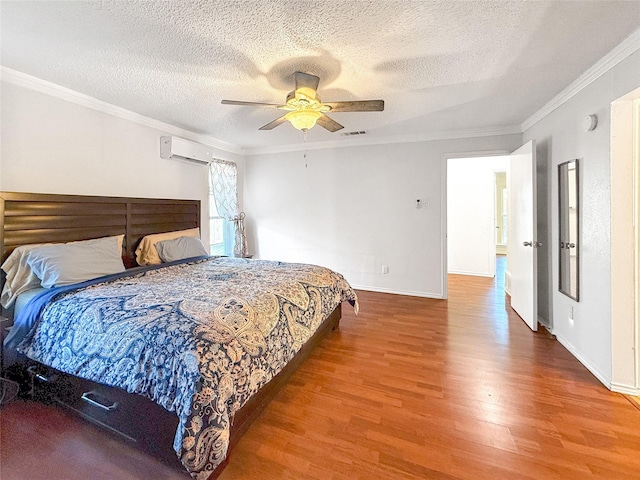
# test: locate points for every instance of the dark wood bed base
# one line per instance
(41, 218)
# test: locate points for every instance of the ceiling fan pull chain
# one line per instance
(304, 133)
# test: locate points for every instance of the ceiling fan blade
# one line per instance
(274, 124)
(249, 104)
(329, 123)
(357, 106)
(306, 82)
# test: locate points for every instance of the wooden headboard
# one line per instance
(42, 218)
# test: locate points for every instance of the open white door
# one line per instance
(523, 242)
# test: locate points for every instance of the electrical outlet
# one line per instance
(385, 269)
(571, 312)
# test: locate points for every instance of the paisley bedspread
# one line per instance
(198, 338)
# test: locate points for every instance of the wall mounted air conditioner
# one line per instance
(181, 149)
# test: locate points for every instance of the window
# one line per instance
(217, 227)
(223, 207)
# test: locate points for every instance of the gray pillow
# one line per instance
(69, 263)
(179, 248)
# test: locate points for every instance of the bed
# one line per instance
(210, 340)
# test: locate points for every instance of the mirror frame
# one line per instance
(565, 273)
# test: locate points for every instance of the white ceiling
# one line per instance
(439, 65)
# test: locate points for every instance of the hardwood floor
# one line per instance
(411, 388)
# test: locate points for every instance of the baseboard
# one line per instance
(589, 366)
(473, 274)
(507, 282)
(410, 293)
(545, 323)
(626, 389)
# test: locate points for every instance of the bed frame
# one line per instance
(41, 218)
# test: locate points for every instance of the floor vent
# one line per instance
(348, 134)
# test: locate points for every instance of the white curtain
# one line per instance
(224, 189)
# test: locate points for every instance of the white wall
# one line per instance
(559, 138)
(354, 209)
(471, 232)
(50, 145)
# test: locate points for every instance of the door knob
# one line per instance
(527, 244)
(537, 244)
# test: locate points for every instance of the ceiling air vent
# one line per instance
(348, 134)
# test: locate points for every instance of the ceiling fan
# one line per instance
(305, 108)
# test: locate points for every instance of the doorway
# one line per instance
(521, 278)
(476, 214)
(501, 212)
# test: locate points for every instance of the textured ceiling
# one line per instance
(439, 65)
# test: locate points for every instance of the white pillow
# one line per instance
(20, 277)
(179, 248)
(69, 263)
(146, 253)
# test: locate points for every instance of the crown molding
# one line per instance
(411, 138)
(24, 80)
(628, 46)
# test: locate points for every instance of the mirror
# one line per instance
(569, 241)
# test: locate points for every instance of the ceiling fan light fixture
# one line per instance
(303, 119)
(306, 108)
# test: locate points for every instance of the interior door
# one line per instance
(523, 242)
